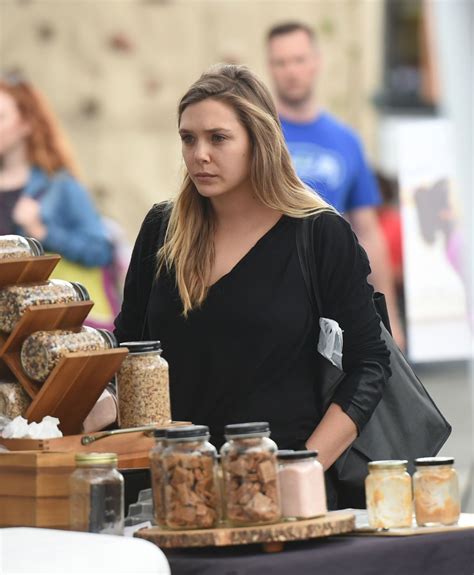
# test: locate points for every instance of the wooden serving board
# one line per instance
(27, 270)
(333, 523)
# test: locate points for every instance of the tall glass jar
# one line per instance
(13, 247)
(191, 490)
(249, 462)
(43, 350)
(97, 494)
(389, 494)
(158, 476)
(436, 491)
(16, 299)
(143, 386)
(302, 487)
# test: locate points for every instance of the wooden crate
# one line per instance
(34, 489)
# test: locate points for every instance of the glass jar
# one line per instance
(14, 400)
(15, 299)
(157, 476)
(13, 247)
(249, 462)
(389, 495)
(143, 386)
(436, 491)
(43, 350)
(191, 491)
(97, 494)
(302, 487)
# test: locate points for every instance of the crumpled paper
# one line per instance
(19, 428)
(330, 341)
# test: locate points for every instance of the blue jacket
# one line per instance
(74, 228)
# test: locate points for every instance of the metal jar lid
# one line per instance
(395, 464)
(288, 455)
(141, 346)
(236, 430)
(35, 246)
(91, 459)
(109, 337)
(188, 432)
(429, 461)
(81, 291)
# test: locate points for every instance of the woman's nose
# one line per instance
(201, 152)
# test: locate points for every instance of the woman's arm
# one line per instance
(346, 297)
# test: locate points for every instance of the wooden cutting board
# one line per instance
(333, 523)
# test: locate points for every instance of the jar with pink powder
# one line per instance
(302, 487)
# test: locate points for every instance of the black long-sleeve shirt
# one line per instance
(249, 353)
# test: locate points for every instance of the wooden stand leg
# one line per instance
(273, 547)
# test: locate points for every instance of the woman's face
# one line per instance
(13, 129)
(216, 148)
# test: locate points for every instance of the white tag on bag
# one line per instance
(330, 341)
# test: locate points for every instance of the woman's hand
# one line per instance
(27, 215)
(332, 437)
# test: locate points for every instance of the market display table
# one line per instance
(450, 553)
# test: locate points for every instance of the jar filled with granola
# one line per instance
(14, 247)
(157, 476)
(97, 494)
(389, 494)
(249, 462)
(302, 487)
(16, 299)
(436, 491)
(143, 386)
(43, 350)
(191, 495)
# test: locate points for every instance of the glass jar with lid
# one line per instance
(143, 386)
(302, 487)
(16, 299)
(14, 247)
(389, 494)
(191, 493)
(249, 462)
(43, 350)
(157, 476)
(436, 491)
(97, 494)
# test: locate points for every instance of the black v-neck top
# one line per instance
(249, 353)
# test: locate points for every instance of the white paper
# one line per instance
(330, 341)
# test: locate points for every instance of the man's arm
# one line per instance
(366, 226)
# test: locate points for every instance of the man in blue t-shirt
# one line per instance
(328, 156)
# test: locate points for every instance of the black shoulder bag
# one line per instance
(406, 423)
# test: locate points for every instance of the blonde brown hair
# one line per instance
(48, 147)
(189, 240)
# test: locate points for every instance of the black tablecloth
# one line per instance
(441, 554)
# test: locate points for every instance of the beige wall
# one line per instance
(118, 105)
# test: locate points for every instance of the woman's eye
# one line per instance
(187, 139)
(218, 138)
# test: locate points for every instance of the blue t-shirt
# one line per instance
(329, 158)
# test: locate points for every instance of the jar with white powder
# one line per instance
(302, 487)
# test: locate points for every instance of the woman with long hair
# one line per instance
(215, 275)
(40, 192)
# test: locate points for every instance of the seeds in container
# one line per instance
(43, 350)
(14, 247)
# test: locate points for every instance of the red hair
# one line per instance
(48, 147)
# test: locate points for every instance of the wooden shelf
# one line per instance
(27, 270)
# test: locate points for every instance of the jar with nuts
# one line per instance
(14, 247)
(43, 350)
(143, 386)
(249, 461)
(191, 494)
(157, 476)
(16, 299)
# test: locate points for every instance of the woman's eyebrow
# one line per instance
(210, 130)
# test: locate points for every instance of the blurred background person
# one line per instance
(328, 155)
(41, 195)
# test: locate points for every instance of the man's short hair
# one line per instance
(288, 28)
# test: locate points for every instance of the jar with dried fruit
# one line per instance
(43, 350)
(97, 494)
(389, 495)
(191, 493)
(143, 386)
(157, 476)
(14, 247)
(436, 491)
(249, 462)
(16, 299)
